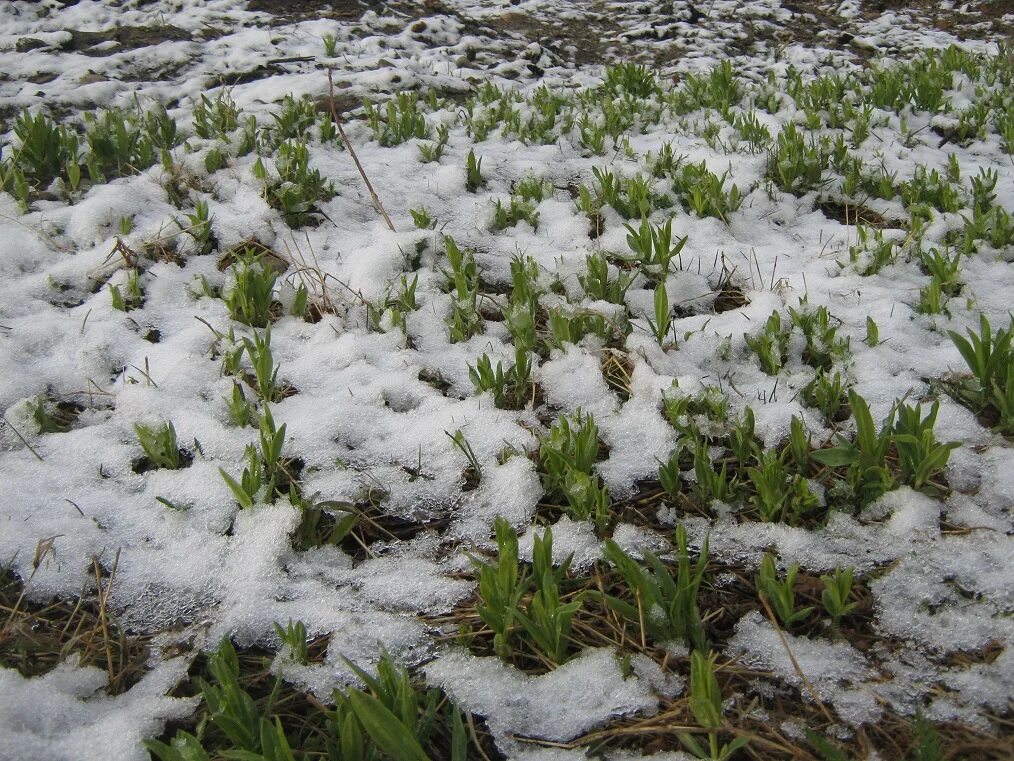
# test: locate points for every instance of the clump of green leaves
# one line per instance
(653, 246)
(509, 387)
(401, 120)
(131, 296)
(781, 593)
(868, 476)
(473, 173)
(771, 346)
(920, 455)
(823, 346)
(251, 295)
(597, 283)
(547, 619)
(160, 445)
(797, 165)
(779, 496)
(566, 457)
(464, 321)
(837, 590)
(298, 189)
(501, 587)
(991, 359)
(706, 706)
(704, 192)
(668, 603)
(518, 209)
(872, 252)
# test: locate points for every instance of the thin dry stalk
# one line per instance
(362, 172)
(795, 664)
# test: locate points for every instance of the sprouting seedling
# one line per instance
(706, 706)
(131, 297)
(241, 412)
(265, 371)
(771, 346)
(473, 173)
(781, 592)
(330, 45)
(597, 283)
(668, 603)
(837, 590)
(501, 587)
(461, 443)
(422, 219)
(920, 455)
(293, 637)
(872, 333)
(663, 322)
(547, 618)
(160, 445)
(249, 300)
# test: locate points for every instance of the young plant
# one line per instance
(293, 637)
(572, 444)
(330, 45)
(509, 387)
(464, 321)
(796, 165)
(872, 252)
(264, 369)
(587, 498)
(473, 173)
(653, 247)
(837, 590)
(711, 484)
(241, 412)
(826, 393)
(991, 359)
(665, 605)
(779, 497)
(230, 708)
(663, 322)
(823, 346)
(422, 219)
(518, 210)
(706, 706)
(199, 227)
(404, 120)
(781, 593)
(432, 151)
(131, 297)
(868, 477)
(250, 298)
(389, 719)
(597, 285)
(547, 619)
(160, 445)
(501, 587)
(704, 193)
(248, 489)
(920, 455)
(771, 346)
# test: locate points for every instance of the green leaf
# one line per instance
(390, 735)
(835, 457)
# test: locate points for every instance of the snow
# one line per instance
(368, 415)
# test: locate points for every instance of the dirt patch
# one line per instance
(294, 10)
(126, 37)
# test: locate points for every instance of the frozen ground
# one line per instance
(375, 405)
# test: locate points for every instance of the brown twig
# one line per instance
(792, 658)
(103, 617)
(338, 122)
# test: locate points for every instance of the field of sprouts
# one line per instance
(542, 380)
